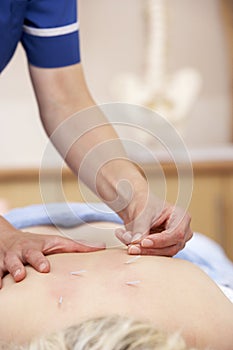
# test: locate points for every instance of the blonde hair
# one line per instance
(106, 333)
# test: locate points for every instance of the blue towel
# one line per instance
(61, 214)
(200, 250)
(210, 257)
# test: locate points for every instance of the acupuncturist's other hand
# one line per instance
(155, 227)
(18, 248)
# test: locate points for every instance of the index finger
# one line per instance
(163, 239)
(15, 267)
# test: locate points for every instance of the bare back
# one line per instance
(173, 294)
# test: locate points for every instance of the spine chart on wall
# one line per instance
(171, 95)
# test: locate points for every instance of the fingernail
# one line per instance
(134, 250)
(147, 243)
(136, 237)
(127, 237)
(17, 272)
(42, 267)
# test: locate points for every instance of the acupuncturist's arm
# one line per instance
(93, 150)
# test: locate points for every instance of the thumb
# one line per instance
(56, 244)
(139, 232)
(140, 228)
(146, 224)
(85, 246)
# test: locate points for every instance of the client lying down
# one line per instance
(109, 300)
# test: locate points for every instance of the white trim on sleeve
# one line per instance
(48, 32)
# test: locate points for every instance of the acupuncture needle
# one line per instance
(133, 283)
(77, 273)
(60, 300)
(133, 259)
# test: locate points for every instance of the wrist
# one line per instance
(7, 231)
(120, 184)
(6, 228)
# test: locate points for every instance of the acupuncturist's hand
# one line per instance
(155, 227)
(18, 248)
(152, 226)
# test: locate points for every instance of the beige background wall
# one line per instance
(113, 40)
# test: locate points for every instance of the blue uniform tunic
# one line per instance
(47, 29)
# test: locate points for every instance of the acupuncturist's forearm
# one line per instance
(89, 144)
(93, 150)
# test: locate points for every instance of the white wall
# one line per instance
(198, 38)
(112, 40)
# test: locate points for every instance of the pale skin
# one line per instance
(173, 294)
(60, 93)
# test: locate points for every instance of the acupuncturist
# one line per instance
(48, 31)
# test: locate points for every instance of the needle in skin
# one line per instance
(133, 283)
(133, 259)
(60, 300)
(77, 273)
